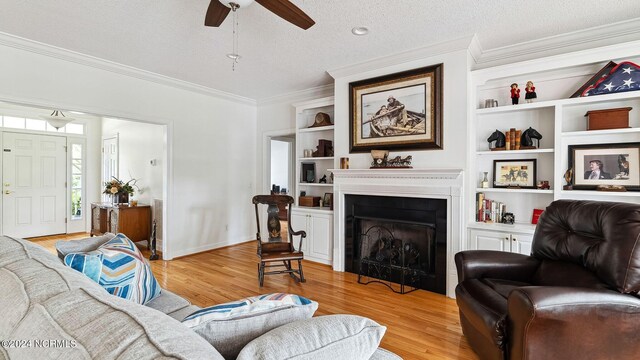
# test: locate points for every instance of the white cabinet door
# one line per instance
(321, 228)
(300, 221)
(521, 243)
(489, 240)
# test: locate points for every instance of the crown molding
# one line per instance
(106, 65)
(461, 43)
(298, 96)
(598, 36)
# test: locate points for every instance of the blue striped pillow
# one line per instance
(248, 307)
(123, 271)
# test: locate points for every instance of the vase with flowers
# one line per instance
(120, 190)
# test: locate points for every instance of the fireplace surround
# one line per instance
(445, 184)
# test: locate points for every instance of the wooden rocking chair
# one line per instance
(277, 250)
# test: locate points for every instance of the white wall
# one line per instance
(211, 139)
(455, 78)
(138, 144)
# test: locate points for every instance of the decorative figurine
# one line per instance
(530, 91)
(508, 218)
(543, 185)
(499, 138)
(323, 180)
(568, 175)
(515, 94)
(527, 135)
(485, 182)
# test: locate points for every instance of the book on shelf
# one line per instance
(512, 135)
(507, 140)
(489, 211)
(518, 135)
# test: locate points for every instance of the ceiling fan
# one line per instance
(219, 9)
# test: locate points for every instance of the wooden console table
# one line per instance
(133, 221)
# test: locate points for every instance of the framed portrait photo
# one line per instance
(605, 164)
(515, 173)
(328, 199)
(400, 111)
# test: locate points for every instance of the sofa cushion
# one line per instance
(168, 302)
(230, 326)
(64, 247)
(13, 297)
(321, 338)
(124, 271)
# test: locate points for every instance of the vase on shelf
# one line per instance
(485, 182)
(120, 198)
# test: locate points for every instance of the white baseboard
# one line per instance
(207, 247)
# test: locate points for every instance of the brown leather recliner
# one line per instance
(575, 297)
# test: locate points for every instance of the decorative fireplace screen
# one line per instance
(400, 264)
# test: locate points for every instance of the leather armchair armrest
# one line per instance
(474, 264)
(572, 323)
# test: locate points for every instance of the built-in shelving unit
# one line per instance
(561, 121)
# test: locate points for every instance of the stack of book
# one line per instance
(488, 210)
(512, 139)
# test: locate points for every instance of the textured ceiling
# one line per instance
(168, 36)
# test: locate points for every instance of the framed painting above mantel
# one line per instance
(401, 111)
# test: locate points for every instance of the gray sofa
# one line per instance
(50, 311)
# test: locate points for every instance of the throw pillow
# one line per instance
(321, 338)
(230, 326)
(124, 271)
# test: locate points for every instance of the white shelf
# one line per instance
(564, 102)
(316, 158)
(509, 152)
(522, 107)
(321, 128)
(507, 190)
(601, 193)
(601, 132)
(314, 184)
(517, 227)
(313, 209)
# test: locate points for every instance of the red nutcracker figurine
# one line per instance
(515, 94)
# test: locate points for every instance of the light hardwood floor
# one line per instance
(420, 325)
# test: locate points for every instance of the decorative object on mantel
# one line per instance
(621, 78)
(514, 173)
(381, 160)
(321, 119)
(120, 190)
(323, 179)
(397, 111)
(613, 165)
(617, 118)
(344, 163)
(57, 119)
(515, 94)
(514, 139)
(568, 176)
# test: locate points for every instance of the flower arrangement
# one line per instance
(118, 187)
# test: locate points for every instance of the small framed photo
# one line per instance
(605, 164)
(514, 173)
(308, 173)
(327, 200)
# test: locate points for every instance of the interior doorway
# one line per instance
(282, 161)
(109, 160)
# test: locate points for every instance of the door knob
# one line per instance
(7, 192)
(7, 184)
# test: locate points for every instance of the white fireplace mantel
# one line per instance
(417, 183)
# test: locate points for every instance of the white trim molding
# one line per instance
(111, 66)
(417, 183)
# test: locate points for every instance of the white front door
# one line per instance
(34, 176)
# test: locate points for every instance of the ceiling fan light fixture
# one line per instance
(234, 57)
(238, 3)
(360, 30)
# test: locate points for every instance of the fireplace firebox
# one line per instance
(398, 241)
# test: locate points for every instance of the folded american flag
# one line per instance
(624, 77)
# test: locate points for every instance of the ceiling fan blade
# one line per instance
(286, 10)
(216, 13)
